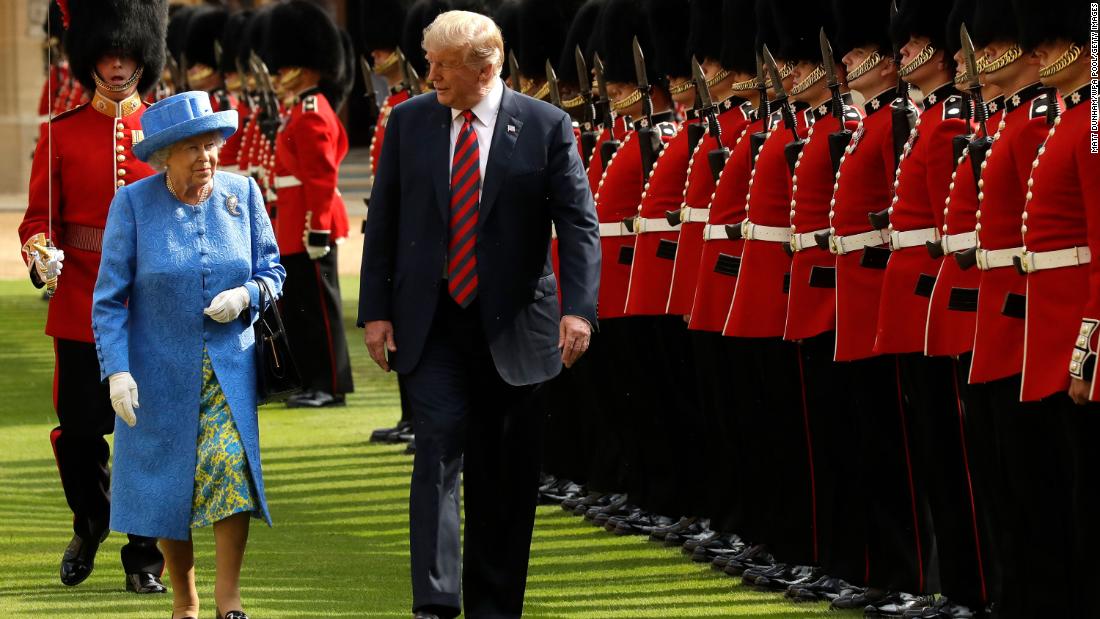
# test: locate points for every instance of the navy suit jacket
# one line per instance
(534, 177)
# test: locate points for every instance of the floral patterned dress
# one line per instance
(223, 483)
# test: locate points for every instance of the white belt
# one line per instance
(282, 182)
(806, 240)
(1043, 260)
(913, 238)
(656, 224)
(958, 242)
(847, 244)
(989, 259)
(715, 232)
(613, 229)
(771, 234)
(689, 215)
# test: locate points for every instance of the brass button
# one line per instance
(119, 135)
(119, 127)
(120, 148)
(120, 182)
(121, 172)
(120, 158)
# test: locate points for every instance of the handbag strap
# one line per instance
(265, 295)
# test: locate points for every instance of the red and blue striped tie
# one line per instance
(465, 195)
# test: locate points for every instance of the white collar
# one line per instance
(486, 109)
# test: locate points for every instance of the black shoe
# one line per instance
(861, 598)
(392, 435)
(750, 575)
(560, 491)
(792, 576)
(605, 506)
(680, 529)
(144, 582)
(824, 589)
(644, 524)
(78, 561)
(896, 609)
(233, 614)
(315, 399)
(753, 556)
(410, 449)
(424, 615)
(944, 608)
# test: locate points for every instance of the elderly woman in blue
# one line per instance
(172, 312)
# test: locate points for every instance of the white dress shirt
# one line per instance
(485, 121)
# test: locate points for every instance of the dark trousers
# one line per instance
(715, 370)
(571, 408)
(838, 461)
(940, 470)
(898, 522)
(314, 322)
(1037, 473)
(85, 416)
(1083, 424)
(469, 421)
(612, 431)
(741, 411)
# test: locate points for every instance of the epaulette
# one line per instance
(309, 104)
(70, 112)
(1040, 105)
(953, 107)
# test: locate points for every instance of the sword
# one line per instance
(649, 140)
(794, 148)
(902, 116)
(838, 142)
(589, 136)
(552, 82)
(717, 157)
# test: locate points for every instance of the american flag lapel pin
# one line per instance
(512, 129)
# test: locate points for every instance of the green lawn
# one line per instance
(339, 546)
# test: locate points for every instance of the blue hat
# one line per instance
(179, 117)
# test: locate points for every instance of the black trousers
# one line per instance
(469, 420)
(612, 431)
(715, 371)
(898, 521)
(940, 469)
(839, 493)
(314, 322)
(85, 416)
(571, 408)
(1083, 424)
(1037, 469)
(741, 412)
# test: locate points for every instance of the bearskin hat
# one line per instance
(381, 27)
(705, 29)
(179, 17)
(506, 17)
(336, 88)
(798, 35)
(1043, 22)
(203, 29)
(232, 39)
(961, 13)
(542, 29)
(920, 18)
(739, 36)
(993, 21)
(99, 26)
(766, 32)
(301, 34)
(54, 24)
(420, 16)
(669, 33)
(254, 36)
(861, 23)
(621, 21)
(579, 35)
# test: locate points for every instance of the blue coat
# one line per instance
(163, 261)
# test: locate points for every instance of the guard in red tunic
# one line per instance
(381, 38)
(306, 53)
(204, 71)
(780, 488)
(82, 157)
(234, 84)
(1060, 226)
(60, 92)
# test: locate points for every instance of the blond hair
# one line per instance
(476, 35)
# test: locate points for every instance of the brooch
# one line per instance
(231, 206)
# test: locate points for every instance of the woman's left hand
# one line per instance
(228, 304)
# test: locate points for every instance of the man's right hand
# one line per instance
(378, 336)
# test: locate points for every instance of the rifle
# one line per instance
(513, 71)
(603, 113)
(589, 135)
(552, 84)
(763, 111)
(795, 147)
(369, 94)
(649, 141)
(716, 158)
(838, 142)
(902, 115)
(979, 147)
(269, 101)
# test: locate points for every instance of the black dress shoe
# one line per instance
(680, 529)
(78, 560)
(609, 504)
(315, 399)
(233, 614)
(643, 524)
(824, 589)
(392, 435)
(793, 575)
(753, 556)
(144, 582)
(896, 609)
(861, 598)
(424, 615)
(410, 449)
(560, 491)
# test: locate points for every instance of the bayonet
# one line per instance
(902, 116)
(217, 54)
(838, 142)
(513, 71)
(174, 72)
(716, 158)
(589, 135)
(974, 82)
(403, 66)
(763, 110)
(643, 82)
(368, 92)
(184, 78)
(552, 82)
(603, 103)
(794, 148)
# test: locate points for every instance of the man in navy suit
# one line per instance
(458, 296)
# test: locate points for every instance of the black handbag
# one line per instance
(277, 376)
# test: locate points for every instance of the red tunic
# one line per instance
(811, 304)
(310, 148)
(82, 157)
(998, 337)
(952, 310)
(617, 197)
(227, 159)
(864, 185)
(392, 101)
(720, 261)
(921, 190)
(759, 307)
(651, 272)
(734, 115)
(1060, 215)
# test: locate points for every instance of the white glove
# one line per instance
(45, 259)
(124, 396)
(317, 252)
(319, 247)
(228, 304)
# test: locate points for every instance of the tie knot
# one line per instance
(468, 115)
